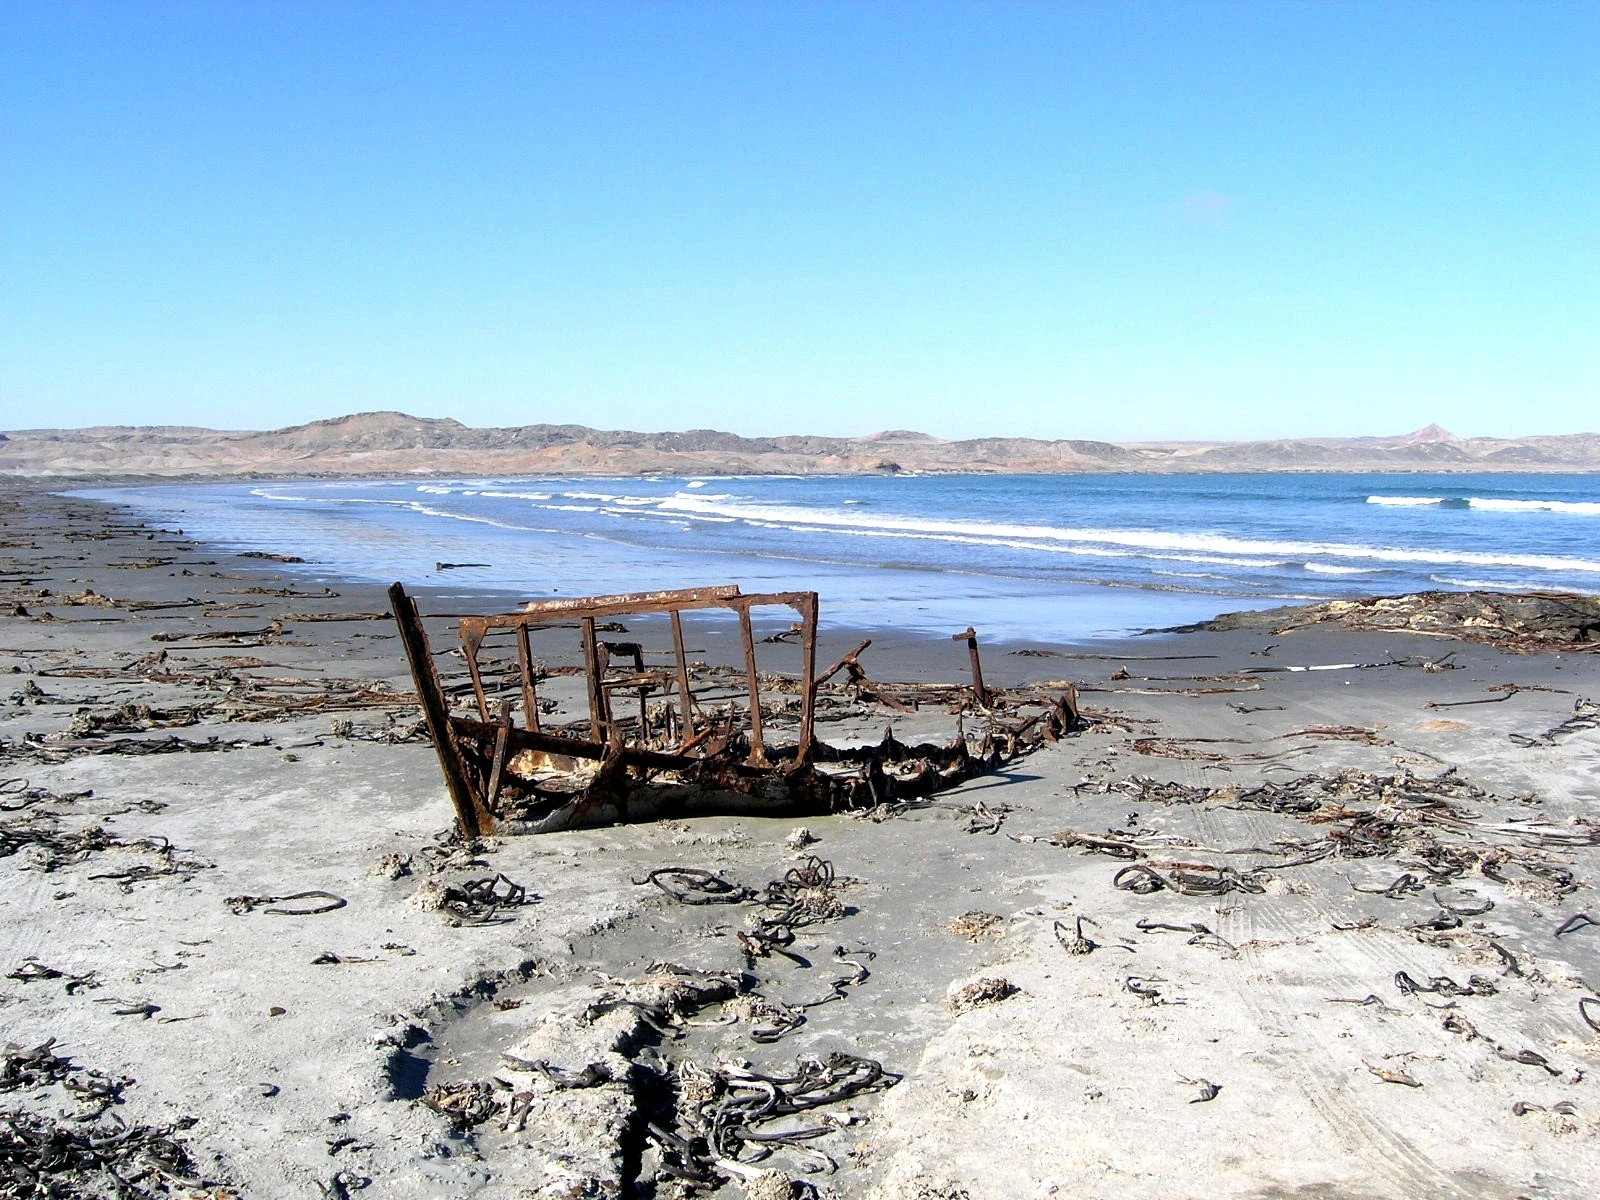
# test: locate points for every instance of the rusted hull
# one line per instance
(529, 780)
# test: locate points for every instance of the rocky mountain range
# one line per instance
(391, 443)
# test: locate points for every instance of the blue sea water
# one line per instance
(1052, 557)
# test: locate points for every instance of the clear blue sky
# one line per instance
(1114, 220)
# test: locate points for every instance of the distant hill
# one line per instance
(391, 443)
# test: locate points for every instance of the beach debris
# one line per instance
(1443, 985)
(28, 1068)
(1208, 1091)
(52, 748)
(51, 847)
(339, 1185)
(32, 971)
(1112, 844)
(306, 904)
(1519, 622)
(1591, 1019)
(804, 896)
(391, 866)
(728, 1117)
(981, 993)
(976, 925)
(472, 901)
(1188, 879)
(105, 1158)
(1390, 1075)
(1145, 988)
(680, 750)
(465, 1104)
(691, 885)
(1565, 1108)
(799, 838)
(1585, 715)
(1199, 934)
(1075, 942)
(1576, 922)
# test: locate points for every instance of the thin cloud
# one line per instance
(1205, 207)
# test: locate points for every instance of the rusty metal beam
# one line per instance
(980, 693)
(472, 814)
(470, 643)
(498, 765)
(847, 661)
(592, 670)
(808, 677)
(685, 695)
(643, 601)
(758, 747)
(547, 612)
(530, 692)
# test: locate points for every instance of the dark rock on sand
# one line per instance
(1535, 620)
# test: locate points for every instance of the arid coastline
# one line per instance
(1297, 914)
(391, 443)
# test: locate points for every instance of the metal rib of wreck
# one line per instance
(678, 758)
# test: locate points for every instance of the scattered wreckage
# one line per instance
(1520, 622)
(680, 751)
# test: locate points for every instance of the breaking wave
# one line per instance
(1107, 542)
(1581, 508)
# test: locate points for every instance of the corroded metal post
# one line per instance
(471, 812)
(979, 692)
(758, 746)
(807, 608)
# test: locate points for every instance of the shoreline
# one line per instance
(1066, 1086)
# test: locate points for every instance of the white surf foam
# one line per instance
(1100, 541)
(1581, 508)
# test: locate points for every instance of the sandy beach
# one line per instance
(1298, 914)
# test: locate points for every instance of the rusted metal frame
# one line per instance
(758, 746)
(979, 692)
(592, 671)
(472, 813)
(641, 680)
(686, 735)
(540, 613)
(530, 693)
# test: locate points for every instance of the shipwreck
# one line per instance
(679, 739)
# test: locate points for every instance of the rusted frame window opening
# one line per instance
(541, 614)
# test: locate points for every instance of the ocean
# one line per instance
(1057, 558)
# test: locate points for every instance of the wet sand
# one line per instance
(300, 1045)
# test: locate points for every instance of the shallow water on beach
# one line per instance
(1052, 557)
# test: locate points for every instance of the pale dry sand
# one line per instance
(1072, 1086)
